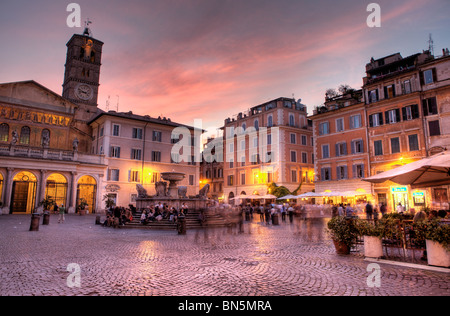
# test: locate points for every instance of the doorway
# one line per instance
(23, 193)
(87, 193)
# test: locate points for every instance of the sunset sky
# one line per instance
(210, 59)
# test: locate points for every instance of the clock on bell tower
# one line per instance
(82, 70)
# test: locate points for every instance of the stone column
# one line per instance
(8, 190)
(72, 193)
(41, 191)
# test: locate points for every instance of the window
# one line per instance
(156, 156)
(101, 131)
(133, 176)
(325, 174)
(136, 154)
(376, 120)
(270, 121)
(242, 144)
(175, 158)
(157, 136)
(341, 149)
(406, 87)
(242, 161)
(324, 128)
(113, 174)
(312, 158)
(231, 163)
(4, 132)
(255, 142)
(254, 159)
(114, 152)
(325, 151)
(116, 130)
(304, 140)
(191, 179)
(341, 172)
(429, 106)
(357, 146)
(155, 177)
(373, 96)
(429, 76)
(395, 145)
(293, 139)
(434, 128)
(243, 178)
(355, 121)
(304, 157)
(293, 156)
(231, 148)
(230, 180)
(339, 125)
(137, 133)
(392, 116)
(291, 120)
(389, 92)
(269, 139)
(25, 135)
(358, 171)
(410, 112)
(378, 146)
(413, 142)
(256, 125)
(293, 175)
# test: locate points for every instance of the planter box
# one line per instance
(341, 248)
(437, 255)
(373, 247)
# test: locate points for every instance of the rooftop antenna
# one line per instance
(107, 103)
(431, 45)
(117, 103)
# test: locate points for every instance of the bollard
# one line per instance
(46, 218)
(181, 225)
(275, 219)
(97, 220)
(34, 226)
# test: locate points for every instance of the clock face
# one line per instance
(84, 92)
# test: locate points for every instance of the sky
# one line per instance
(211, 59)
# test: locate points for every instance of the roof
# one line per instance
(142, 118)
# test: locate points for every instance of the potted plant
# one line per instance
(109, 202)
(437, 237)
(47, 203)
(343, 232)
(373, 234)
(82, 206)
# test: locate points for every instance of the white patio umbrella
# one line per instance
(307, 195)
(431, 171)
(288, 197)
(268, 197)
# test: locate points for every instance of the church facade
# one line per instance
(50, 146)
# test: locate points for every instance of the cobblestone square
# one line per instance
(285, 260)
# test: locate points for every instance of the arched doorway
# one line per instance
(87, 193)
(23, 193)
(231, 198)
(56, 188)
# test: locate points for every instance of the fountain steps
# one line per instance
(192, 222)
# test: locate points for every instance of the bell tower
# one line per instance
(82, 70)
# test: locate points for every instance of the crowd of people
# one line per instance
(118, 216)
(161, 211)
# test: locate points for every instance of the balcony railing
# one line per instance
(49, 154)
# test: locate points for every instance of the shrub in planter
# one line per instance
(373, 234)
(437, 237)
(343, 231)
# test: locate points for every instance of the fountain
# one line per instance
(173, 195)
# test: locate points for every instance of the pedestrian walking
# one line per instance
(61, 210)
(369, 211)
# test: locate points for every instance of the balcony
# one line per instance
(7, 150)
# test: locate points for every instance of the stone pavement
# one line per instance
(286, 260)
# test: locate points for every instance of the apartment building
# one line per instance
(211, 172)
(271, 142)
(341, 147)
(137, 150)
(407, 102)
